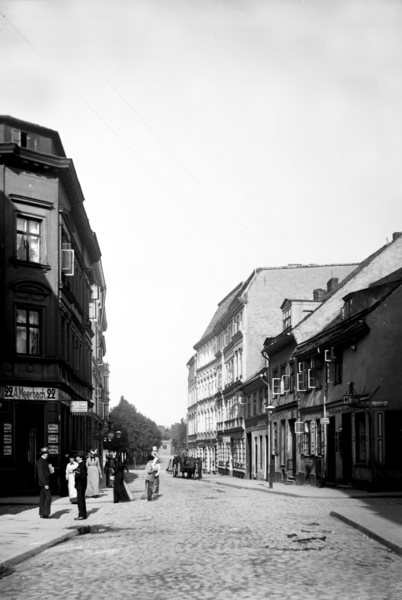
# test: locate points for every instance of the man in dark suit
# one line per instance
(81, 478)
(43, 472)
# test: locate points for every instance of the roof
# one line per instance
(26, 125)
(282, 282)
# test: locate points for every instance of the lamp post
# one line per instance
(270, 460)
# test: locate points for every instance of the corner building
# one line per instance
(227, 422)
(53, 382)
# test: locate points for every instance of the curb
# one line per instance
(37, 550)
(378, 538)
(255, 489)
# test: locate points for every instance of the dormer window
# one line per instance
(348, 308)
(287, 318)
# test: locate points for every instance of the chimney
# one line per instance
(319, 294)
(332, 284)
(396, 235)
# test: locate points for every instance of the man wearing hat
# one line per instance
(43, 471)
(81, 478)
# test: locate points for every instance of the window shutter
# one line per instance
(67, 260)
(94, 292)
(353, 438)
(16, 136)
(311, 378)
(331, 372)
(93, 312)
(301, 387)
(312, 437)
(276, 386)
(380, 437)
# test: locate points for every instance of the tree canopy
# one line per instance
(178, 435)
(138, 433)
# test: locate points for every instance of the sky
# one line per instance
(211, 137)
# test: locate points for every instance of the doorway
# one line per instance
(346, 447)
(291, 466)
(29, 439)
(331, 455)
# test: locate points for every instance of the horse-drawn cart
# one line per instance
(185, 465)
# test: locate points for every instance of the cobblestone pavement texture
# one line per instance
(200, 540)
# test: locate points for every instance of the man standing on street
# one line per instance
(199, 468)
(43, 471)
(81, 478)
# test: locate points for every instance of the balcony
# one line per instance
(234, 423)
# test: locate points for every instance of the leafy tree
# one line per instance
(165, 432)
(178, 434)
(138, 433)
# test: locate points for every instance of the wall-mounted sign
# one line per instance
(7, 450)
(377, 403)
(53, 449)
(8, 439)
(53, 428)
(226, 439)
(52, 439)
(78, 406)
(324, 421)
(17, 392)
(7, 427)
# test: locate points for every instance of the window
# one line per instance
(261, 399)
(307, 438)
(284, 378)
(287, 318)
(315, 373)
(292, 367)
(255, 403)
(361, 434)
(28, 240)
(348, 308)
(334, 369)
(28, 332)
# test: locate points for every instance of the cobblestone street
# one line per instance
(201, 540)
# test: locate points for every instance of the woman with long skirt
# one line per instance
(70, 469)
(94, 474)
(119, 490)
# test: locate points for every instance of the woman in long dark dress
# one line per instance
(119, 491)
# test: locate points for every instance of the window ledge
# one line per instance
(35, 265)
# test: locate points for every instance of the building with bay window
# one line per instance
(53, 379)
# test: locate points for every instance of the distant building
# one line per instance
(226, 416)
(53, 379)
(166, 448)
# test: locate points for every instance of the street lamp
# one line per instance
(271, 466)
(118, 434)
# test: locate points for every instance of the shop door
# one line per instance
(29, 439)
(346, 447)
(331, 456)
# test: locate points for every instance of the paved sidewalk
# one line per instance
(25, 534)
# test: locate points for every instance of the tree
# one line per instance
(178, 434)
(138, 433)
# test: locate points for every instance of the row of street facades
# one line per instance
(54, 382)
(297, 377)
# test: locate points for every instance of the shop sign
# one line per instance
(53, 449)
(8, 439)
(7, 451)
(226, 439)
(7, 427)
(52, 439)
(53, 428)
(379, 403)
(324, 421)
(17, 392)
(79, 406)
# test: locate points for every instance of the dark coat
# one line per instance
(43, 471)
(81, 476)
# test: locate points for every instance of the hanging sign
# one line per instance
(53, 449)
(52, 439)
(79, 407)
(7, 439)
(53, 428)
(7, 451)
(324, 421)
(7, 427)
